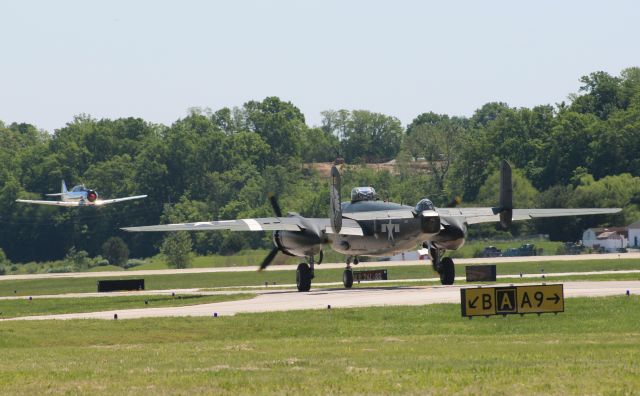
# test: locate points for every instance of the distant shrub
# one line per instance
(116, 251)
(60, 270)
(3, 258)
(78, 259)
(14, 268)
(102, 263)
(3, 270)
(133, 263)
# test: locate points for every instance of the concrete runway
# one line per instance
(285, 300)
(546, 277)
(491, 260)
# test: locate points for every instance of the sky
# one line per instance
(157, 59)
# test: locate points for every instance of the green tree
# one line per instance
(115, 250)
(280, 124)
(78, 259)
(437, 139)
(364, 136)
(176, 248)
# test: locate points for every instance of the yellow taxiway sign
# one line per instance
(486, 301)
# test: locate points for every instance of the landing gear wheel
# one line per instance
(347, 278)
(447, 271)
(303, 277)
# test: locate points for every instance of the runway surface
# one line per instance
(280, 287)
(490, 260)
(286, 300)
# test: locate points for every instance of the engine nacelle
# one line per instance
(92, 196)
(298, 243)
(430, 222)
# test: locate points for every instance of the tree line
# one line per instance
(223, 164)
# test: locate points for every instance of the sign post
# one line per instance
(506, 300)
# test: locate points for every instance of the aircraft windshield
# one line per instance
(78, 188)
(423, 205)
(363, 194)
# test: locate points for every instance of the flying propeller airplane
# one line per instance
(366, 226)
(78, 196)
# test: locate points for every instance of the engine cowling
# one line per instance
(297, 243)
(92, 196)
(430, 222)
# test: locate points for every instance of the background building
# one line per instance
(610, 239)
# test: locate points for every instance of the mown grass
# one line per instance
(592, 348)
(26, 287)
(470, 247)
(50, 306)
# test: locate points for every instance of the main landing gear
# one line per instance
(347, 275)
(442, 265)
(304, 274)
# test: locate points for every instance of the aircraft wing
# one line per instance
(51, 203)
(380, 215)
(259, 224)
(489, 215)
(350, 227)
(101, 202)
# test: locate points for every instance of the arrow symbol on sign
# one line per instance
(472, 304)
(555, 298)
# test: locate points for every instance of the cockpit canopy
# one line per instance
(79, 188)
(423, 205)
(363, 194)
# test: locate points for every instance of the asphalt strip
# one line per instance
(286, 300)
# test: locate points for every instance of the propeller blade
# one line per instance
(275, 205)
(335, 208)
(267, 260)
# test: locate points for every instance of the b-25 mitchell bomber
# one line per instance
(78, 196)
(366, 226)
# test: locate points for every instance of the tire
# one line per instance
(303, 277)
(347, 278)
(447, 271)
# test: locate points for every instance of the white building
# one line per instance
(634, 234)
(610, 239)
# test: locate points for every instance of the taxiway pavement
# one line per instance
(285, 300)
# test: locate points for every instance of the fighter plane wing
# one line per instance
(52, 203)
(101, 202)
(489, 215)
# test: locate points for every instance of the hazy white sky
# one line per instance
(156, 59)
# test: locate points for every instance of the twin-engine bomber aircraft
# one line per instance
(78, 196)
(369, 227)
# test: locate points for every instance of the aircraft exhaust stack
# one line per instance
(506, 194)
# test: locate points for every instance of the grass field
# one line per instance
(592, 348)
(250, 257)
(470, 247)
(50, 306)
(26, 287)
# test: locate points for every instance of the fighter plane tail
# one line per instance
(506, 194)
(63, 190)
